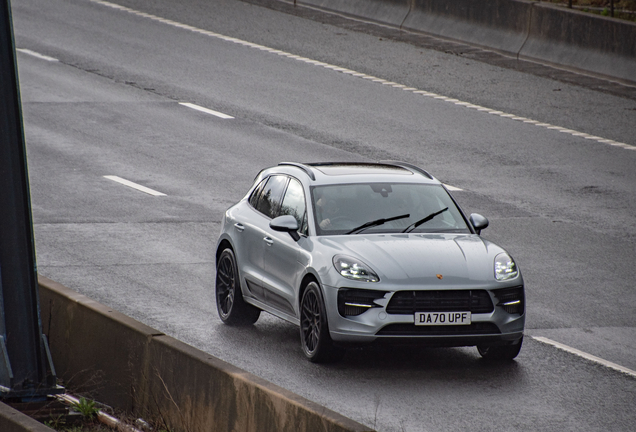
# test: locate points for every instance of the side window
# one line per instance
(294, 204)
(269, 199)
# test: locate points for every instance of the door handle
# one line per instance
(239, 227)
(269, 241)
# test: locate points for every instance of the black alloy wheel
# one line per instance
(314, 330)
(230, 305)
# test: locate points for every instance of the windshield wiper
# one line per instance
(376, 223)
(424, 220)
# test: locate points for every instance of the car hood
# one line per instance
(442, 259)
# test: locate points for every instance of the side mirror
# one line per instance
(286, 223)
(479, 222)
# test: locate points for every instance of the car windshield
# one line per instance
(385, 208)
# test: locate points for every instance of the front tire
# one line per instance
(500, 353)
(230, 305)
(314, 329)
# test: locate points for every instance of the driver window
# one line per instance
(269, 198)
(294, 204)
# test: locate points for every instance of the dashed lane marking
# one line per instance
(36, 54)
(134, 185)
(365, 76)
(206, 110)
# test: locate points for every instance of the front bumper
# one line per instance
(376, 325)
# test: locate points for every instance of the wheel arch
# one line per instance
(223, 244)
(309, 277)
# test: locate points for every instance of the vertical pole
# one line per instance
(24, 366)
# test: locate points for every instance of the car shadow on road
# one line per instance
(398, 357)
(437, 368)
(278, 341)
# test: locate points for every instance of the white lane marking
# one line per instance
(206, 110)
(452, 188)
(586, 356)
(134, 185)
(35, 54)
(357, 74)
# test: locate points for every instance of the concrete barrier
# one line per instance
(500, 25)
(12, 420)
(582, 42)
(530, 30)
(391, 12)
(148, 374)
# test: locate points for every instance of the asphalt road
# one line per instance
(560, 195)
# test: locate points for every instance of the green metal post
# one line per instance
(25, 369)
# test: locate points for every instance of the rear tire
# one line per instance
(500, 353)
(230, 305)
(314, 329)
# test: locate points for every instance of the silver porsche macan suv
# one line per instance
(355, 253)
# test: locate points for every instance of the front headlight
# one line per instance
(505, 267)
(354, 269)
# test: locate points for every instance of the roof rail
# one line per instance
(410, 167)
(303, 167)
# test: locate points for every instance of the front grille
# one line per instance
(409, 302)
(480, 328)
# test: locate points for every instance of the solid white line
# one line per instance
(134, 185)
(35, 54)
(206, 110)
(586, 356)
(344, 70)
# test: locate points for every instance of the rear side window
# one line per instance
(257, 193)
(269, 199)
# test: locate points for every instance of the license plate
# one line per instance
(442, 318)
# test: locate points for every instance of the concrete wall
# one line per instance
(529, 30)
(133, 367)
